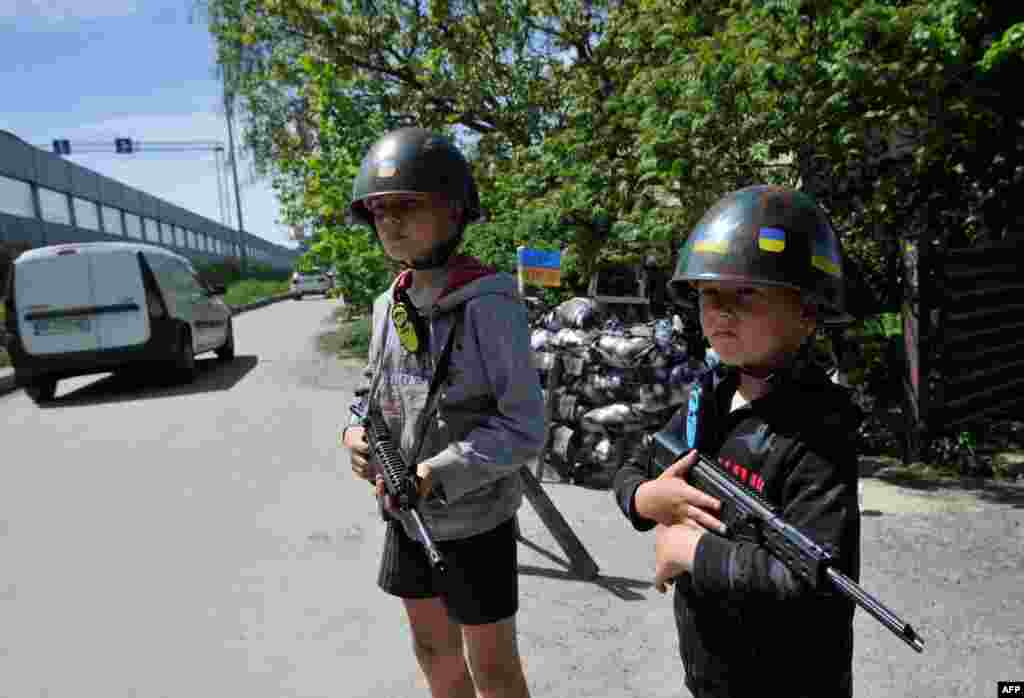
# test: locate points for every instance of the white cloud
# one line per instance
(188, 179)
(64, 10)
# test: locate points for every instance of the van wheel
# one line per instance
(227, 350)
(42, 391)
(298, 296)
(185, 365)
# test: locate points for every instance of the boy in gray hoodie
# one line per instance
(416, 191)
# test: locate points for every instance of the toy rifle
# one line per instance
(748, 516)
(401, 483)
(401, 480)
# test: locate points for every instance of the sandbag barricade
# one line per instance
(608, 385)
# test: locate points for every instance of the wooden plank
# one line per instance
(961, 376)
(961, 341)
(964, 406)
(580, 560)
(999, 314)
(996, 349)
(983, 255)
(1009, 407)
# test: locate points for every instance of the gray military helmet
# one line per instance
(414, 160)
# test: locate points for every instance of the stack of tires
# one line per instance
(617, 384)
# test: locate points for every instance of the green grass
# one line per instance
(350, 339)
(358, 336)
(242, 292)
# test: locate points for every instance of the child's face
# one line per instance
(752, 326)
(410, 225)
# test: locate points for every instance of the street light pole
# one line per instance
(229, 109)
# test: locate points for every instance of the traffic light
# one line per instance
(62, 146)
(123, 145)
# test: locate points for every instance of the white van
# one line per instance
(84, 308)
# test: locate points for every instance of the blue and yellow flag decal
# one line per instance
(771, 239)
(712, 239)
(826, 257)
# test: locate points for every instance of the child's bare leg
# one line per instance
(494, 661)
(437, 642)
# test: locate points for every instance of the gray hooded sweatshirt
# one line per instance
(490, 414)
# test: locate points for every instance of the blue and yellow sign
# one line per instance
(540, 267)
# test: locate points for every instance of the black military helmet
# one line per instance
(767, 235)
(414, 160)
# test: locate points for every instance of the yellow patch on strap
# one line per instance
(404, 327)
(825, 264)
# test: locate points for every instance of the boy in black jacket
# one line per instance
(767, 268)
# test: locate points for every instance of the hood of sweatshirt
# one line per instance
(468, 278)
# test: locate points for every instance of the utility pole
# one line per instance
(229, 111)
(238, 199)
(220, 188)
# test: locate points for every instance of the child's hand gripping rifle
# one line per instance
(400, 482)
(748, 516)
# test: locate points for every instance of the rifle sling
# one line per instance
(440, 374)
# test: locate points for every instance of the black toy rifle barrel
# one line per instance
(433, 554)
(873, 606)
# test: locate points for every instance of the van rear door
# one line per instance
(122, 319)
(54, 297)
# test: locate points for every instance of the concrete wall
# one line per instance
(21, 161)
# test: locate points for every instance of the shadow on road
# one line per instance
(622, 587)
(148, 383)
(987, 489)
(991, 490)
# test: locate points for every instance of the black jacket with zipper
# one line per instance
(747, 625)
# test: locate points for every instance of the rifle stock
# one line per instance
(748, 516)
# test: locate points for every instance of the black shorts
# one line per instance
(481, 585)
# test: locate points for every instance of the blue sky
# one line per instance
(94, 70)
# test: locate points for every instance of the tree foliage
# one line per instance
(605, 127)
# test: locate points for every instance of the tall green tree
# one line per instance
(601, 126)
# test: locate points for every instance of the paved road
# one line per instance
(161, 541)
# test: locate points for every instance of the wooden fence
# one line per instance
(963, 329)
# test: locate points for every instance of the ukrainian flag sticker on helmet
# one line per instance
(386, 168)
(713, 239)
(826, 255)
(771, 239)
